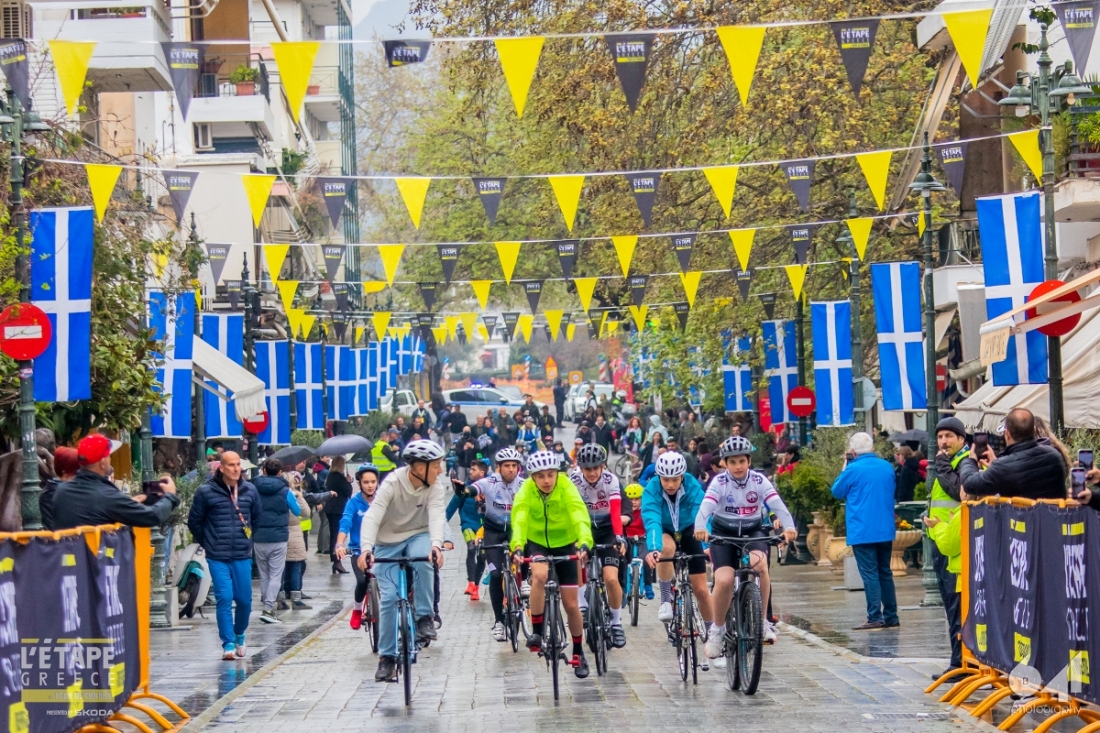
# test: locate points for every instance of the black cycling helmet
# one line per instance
(591, 455)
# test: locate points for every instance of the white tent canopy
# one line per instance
(244, 389)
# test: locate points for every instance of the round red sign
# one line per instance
(801, 401)
(25, 331)
(1058, 328)
(257, 423)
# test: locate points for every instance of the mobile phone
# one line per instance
(1084, 457)
(980, 445)
(150, 488)
(1077, 481)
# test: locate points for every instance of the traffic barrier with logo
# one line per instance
(74, 631)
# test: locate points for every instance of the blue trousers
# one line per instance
(388, 575)
(232, 583)
(873, 560)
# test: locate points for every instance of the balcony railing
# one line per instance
(214, 81)
(958, 242)
(1081, 158)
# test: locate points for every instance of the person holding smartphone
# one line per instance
(1085, 492)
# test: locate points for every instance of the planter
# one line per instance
(836, 549)
(823, 543)
(813, 540)
(313, 90)
(246, 88)
(903, 539)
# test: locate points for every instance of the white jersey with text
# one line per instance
(599, 496)
(498, 496)
(730, 499)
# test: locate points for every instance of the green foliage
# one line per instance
(186, 486)
(243, 73)
(311, 438)
(370, 426)
(1088, 128)
(292, 162)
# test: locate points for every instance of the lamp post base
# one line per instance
(928, 575)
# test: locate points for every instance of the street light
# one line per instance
(848, 245)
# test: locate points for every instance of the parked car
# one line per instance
(474, 401)
(574, 402)
(406, 402)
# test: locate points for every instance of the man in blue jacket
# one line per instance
(669, 504)
(223, 514)
(271, 534)
(866, 485)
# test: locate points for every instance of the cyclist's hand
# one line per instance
(448, 545)
(365, 561)
(517, 557)
(341, 552)
(790, 534)
(437, 557)
(621, 542)
(702, 535)
(652, 558)
(583, 553)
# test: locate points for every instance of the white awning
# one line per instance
(244, 389)
(943, 322)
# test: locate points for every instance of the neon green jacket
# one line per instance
(948, 538)
(552, 520)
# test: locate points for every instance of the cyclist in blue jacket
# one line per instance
(469, 516)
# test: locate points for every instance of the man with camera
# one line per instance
(1027, 468)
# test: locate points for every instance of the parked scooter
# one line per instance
(192, 580)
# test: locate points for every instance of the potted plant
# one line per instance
(244, 77)
(905, 535)
(313, 90)
(837, 547)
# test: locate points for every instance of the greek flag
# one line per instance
(361, 357)
(394, 361)
(896, 287)
(173, 322)
(272, 368)
(225, 332)
(832, 324)
(384, 367)
(340, 378)
(418, 354)
(308, 386)
(61, 285)
(737, 378)
(780, 365)
(372, 375)
(1012, 255)
(404, 351)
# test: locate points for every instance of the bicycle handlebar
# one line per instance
(682, 556)
(549, 559)
(772, 539)
(400, 560)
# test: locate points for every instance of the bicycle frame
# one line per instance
(405, 623)
(551, 610)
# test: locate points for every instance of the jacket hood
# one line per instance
(655, 421)
(270, 485)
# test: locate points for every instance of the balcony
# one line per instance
(323, 94)
(329, 154)
(236, 103)
(118, 64)
(1077, 189)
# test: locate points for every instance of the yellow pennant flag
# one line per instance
(508, 252)
(393, 333)
(1027, 145)
(639, 312)
(451, 323)
(567, 190)
(413, 192)
(519, 57)
(723, 181)
(469, 323)
(526, 323)
(968, 29)
(553, 320)
(624, 248)
(372, 286)
(391, 258)
(71, 59)
(326, 328)
(102, 180)
(601, 331)
(481, 290)
(307, 324)
(274, 256)
(294, 319)
(742, 245)
(295, 61)
(287, 289)
(921, 224)
(861, 232)
(257, 186)
(381, 321)
(198, 297)
(876, 169)
(160, 261)
(742, 44)
(358, 334)
(570, 331)
(440, 333)
(797, 275)
(691, 285)
(585, 287)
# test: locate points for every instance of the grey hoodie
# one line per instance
(656, 427)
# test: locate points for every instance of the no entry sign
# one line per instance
(1058, 328)
(801, 402)
(25, 331)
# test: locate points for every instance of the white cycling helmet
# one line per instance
(508, 454)
(670, 465)
(735, 446)
(544, 460)
(421, 450)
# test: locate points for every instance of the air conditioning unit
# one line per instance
(204, 137)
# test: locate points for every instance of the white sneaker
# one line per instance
(499, 632)
(719, 663)
(769, 633)
(664, 613)
(525, 589)
(715, 644)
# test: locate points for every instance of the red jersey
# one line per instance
(636, 528)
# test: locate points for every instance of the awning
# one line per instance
(244, 389)
(943, 322)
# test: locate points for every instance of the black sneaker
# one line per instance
(618, 638)
(387, 670)
(580, 666)
(425, 628)
(534, 642)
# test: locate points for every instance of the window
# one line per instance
(15, 20)
(463, 396)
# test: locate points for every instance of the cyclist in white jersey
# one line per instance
(736, 500)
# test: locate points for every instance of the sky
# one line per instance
(379, 17)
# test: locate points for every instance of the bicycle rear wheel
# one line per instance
(635, 593)
(373, 600)
(511, 609)
(731, 648)
(750, 635)
(552, 643)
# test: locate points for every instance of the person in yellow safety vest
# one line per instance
(953, 466)
(383, 455)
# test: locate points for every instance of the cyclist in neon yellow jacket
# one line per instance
(550, 519)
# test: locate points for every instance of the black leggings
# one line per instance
(475, 562)
(362, 580)
(496, 558)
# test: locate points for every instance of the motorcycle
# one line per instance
(192, 580)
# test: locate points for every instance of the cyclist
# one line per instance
(604, 497)
(635, 533)
(406, 519)
(550, 519)
(347, 541)
(496, 494)
(736, 498)
(466, 507)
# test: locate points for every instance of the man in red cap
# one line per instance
(90, 498)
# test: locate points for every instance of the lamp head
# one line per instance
(1070, 86)
(1019, 97)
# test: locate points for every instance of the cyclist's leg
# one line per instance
(362, 582)
(609, 558)
(472, 575)
(387, 590)
(539, 573)
(665, 569)
(760, 565)
(725, 559)
(420, 545)
(697, 574)
(568, 578)
(495, 560)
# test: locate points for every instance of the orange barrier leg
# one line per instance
(1049, 722)
(132, 721)
(963, 690)
(97, 728)
(1091, 728)
(1024, 709)
(154, 696)
(966, 672)
(157, 717)
(992, 699)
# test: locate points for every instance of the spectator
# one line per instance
(559, 450)
(650, 451)
(470, 521)
(465, 448)
(340, 488)
(442, 424)
(529, 409)
(584, 432)
(907, 476)
(90, 498)
(791, 457)
(66, 466)
(590, 401)
(454, 423)
(559, 401)
(383, 455)
(416, 431)
(707, 459)
(271, 534)
(529, 434)
(506, 428)
(546, 423)
(632, 436)
(223, 514)
(601, 433)
(1027, 468)
(295, 566)
(422, 412)
(866, 485)
(656, 428)
(692, 428)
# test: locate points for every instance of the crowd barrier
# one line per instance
(1027, 569)
(74, 632)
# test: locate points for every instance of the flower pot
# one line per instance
(823, 543)
(813, 540)
(836, 549)
(903, 538)
(246, 88)
(313, 90)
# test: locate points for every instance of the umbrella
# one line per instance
(343, 444)
(914, 436)
(292, 455)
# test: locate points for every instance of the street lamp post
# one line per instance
(251, 314)
(849, 244)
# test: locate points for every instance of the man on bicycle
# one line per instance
(736, 498)
(496, 494)
(670, 503)
(602, 494)
(549, 519)
(406, 519)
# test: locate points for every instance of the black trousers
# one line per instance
(946, 581)
(559, 407)
(475, 562)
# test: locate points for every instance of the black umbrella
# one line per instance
(343, 444)
(292, 455)
(910, 436)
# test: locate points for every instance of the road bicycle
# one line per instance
(555, 635)
(744, 640)
(686, 626)
(516, 616)
(371, 613)
(635, 573)
(408, 644)
(597, 621)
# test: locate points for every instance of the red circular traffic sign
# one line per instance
(25, 331)
(801, 401)
(257, 423)
(941, 377)
(1058, 328)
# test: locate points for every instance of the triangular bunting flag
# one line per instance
(160, 261)
(526, 323)
(511, 318)
(287, 289)
(519, 58)
(639, 313)
(413, 192)
(800, 177)
(742, 44)
(216, 255)
(381, 321)
(644, 188)
(968, 29)
(953, 160)
(335, 193)
(567, 191)
(723, 181)
(102, 180)
(294, 320)
(797, 275)
(403, 53)
(567, 256)
(469, 323)
(71, 60)
(489, 191)
(451, 323)
(448, 258)
(744, 282)
(682, 245)
(631, 55)
(508, 252)
(427, 292)
(1027, 145)
(876, 169)
(637, 285)
(533, 288)
(861, 232)
(333, 255)
(742, 245)
(553, 322)
(490, 324)
(768, 301)
(921, 223)
(801, 236)
(295, 62)
(257, 187)
(624, 248)
(275, 256)
(306, 324)
(856, 40)
(481, 290)
(1078, 20)
(691, 285)
(483, 332)
(356, 334)
(180, 184)
(391, 258)
(372, 286)
(585, 287)
(440, 333)
(682, 311)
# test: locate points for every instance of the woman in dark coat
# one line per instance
(337, 482)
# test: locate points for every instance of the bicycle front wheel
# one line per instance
(730, 648)
(373, 602)
(680, 630)
(689, 635)
(750, 636)
(405, 642)
(635, 593)
(551, 643)
(511, 610)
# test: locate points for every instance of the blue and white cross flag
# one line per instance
(225, 332)
(896, 287)
(832, 324)
(172, 321)
(780, 365)
(273, 369)
(308, 386)
(737, 377)
(340, 371)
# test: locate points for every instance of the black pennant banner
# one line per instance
(644, 187)
(13, 60)
(448, 258)
(567, 256)
(402, 53)
(682, 311)
(333, 255)
(424, 324)
(744, 282)
(184, 65)
(856, 40)
(800, 175)
(335, 192)
(427, 292)
(637, 288)
(179, 184)
(593, 330)
(768, 299)
(801, 236)
(1078, 21)
(489, 190)
(340, 325)
(533, 288)
(233, 289)
(510, 320)
(340, 292)
(953, 160)
(682, 245)
(217, 254)
(490, 324)
(631, 55)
